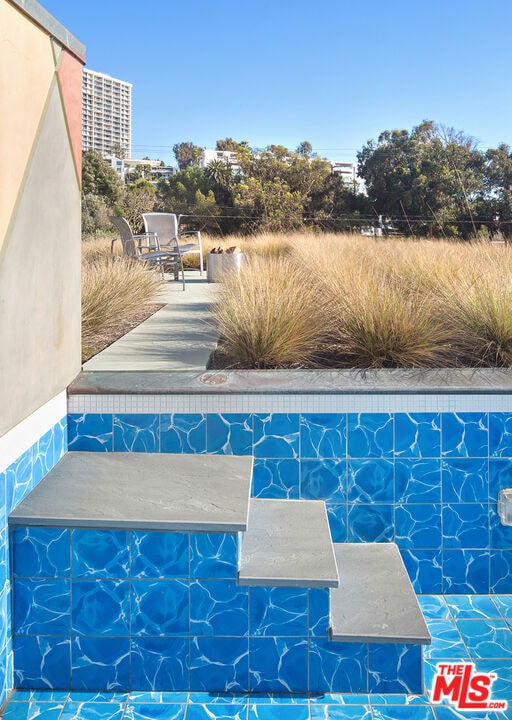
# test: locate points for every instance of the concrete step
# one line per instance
(375, 601)
(141, 491)
(287, 543)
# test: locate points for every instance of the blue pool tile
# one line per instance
(370, 523)
(101, 607)
(504, 605)
(92, 711)
(500, 435)
(160, 607)
(323, 436)
(160, 663)
(100, 662)
(41, 661)
(219, 663)
(41, 552)
(394, 668)
(277, 479)
(180, 433)
(43, 457)
(501, 535)
(501, 571)
(434, 606)
(500, 477)
(230, 434)
(218, 607)
(276, 436)
(417, 481)
(323, 480)
(472, 606)
(41, 606)
(465, 525)
(18, 480)
(318, 611)
(489, 638)
(60, 438)
(346, 699)
(229, 711)
(502, 686)
(146, 697)
(340, 712)
(337, 667)
(447, 643)
(218, 698)
(31, 710)
(371, 481)
(278, 664)
(82, 697)
(418, 435)
(465, 480)
(213, 555)
(100, 553)
(418, 526)
(425, 569)
(137, 433)
(370, 435)
(40, 696)
(465, 435)
(404, 712)
(466, 571)
(337, 517)
(141, 711)
(264, 711)
(278, 611)
(92, 432)
(159, 554)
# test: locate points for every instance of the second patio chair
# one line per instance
(166, 227)
(146, 249)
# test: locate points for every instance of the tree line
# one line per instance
(431, 181)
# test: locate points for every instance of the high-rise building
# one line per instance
(106, 114)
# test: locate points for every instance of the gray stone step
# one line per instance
(288, 543)
(141, 491)
(375, 601)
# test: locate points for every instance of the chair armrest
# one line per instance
(150, 238)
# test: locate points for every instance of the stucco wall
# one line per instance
(40, 165)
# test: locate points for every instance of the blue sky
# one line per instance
(334, 72)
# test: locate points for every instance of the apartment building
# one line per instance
(106, 114)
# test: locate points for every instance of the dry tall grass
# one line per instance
(113, 291)
(270, 316)
(381, 303)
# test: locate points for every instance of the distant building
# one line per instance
(227, 156)
(106, 114)
(124, 167)
(348, 171)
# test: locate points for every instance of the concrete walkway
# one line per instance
(180, 336)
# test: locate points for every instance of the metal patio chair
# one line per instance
(146, 249)
(167, 228)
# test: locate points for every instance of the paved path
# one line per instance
(180, 336)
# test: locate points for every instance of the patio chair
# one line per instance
(145, 248)
(166, 227)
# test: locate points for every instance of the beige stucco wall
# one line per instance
(39, 214)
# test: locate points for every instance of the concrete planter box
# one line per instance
(220, 263)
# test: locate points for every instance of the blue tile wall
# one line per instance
(112, 611)
(15, 482)
(428, 481)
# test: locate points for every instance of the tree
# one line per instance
(498, 184)
(431, 176)
(100, 179)
(187, 154)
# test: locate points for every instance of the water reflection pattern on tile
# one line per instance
(427, 480)
(464, 627)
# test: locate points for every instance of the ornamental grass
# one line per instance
(116, 293)
(371, 303)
